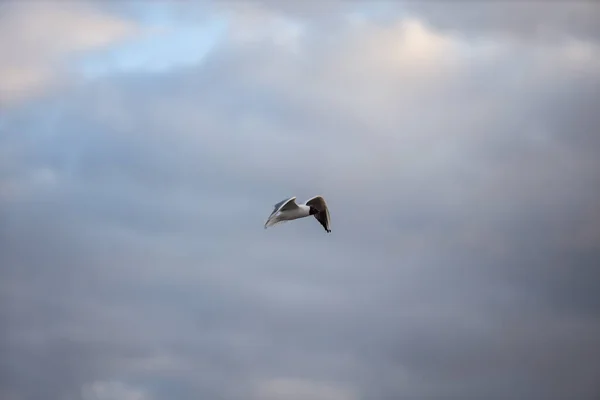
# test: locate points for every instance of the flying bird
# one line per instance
(287, 210)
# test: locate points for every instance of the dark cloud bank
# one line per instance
(463, 261)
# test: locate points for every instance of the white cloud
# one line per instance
(251, 23)
(37, 37)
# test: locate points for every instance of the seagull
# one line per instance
(287, 210)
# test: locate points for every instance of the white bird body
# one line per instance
(288, 210)
(300, 212)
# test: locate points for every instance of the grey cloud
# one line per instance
(139, 257)
(547, 21)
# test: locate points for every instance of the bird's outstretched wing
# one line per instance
(283, 205)
(322, 216)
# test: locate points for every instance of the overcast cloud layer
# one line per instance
(457, 147)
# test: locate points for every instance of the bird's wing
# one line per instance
(322, 216)
(283, 205)
(317, 202)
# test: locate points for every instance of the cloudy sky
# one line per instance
(143, 144)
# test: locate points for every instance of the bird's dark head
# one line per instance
(313, 211)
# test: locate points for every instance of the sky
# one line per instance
(144, 144)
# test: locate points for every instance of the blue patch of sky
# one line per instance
(175, 43)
